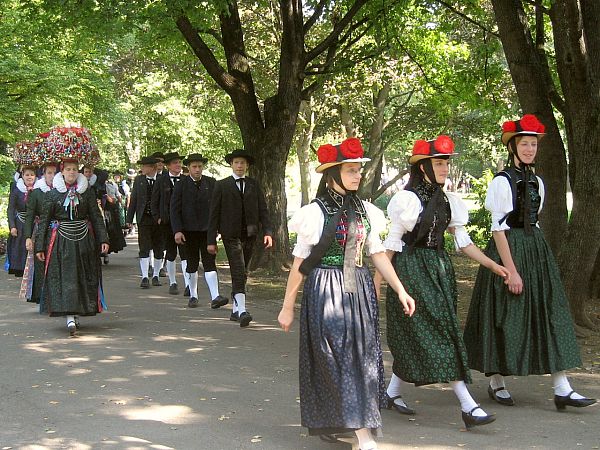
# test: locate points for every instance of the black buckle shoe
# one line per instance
(218, 302)
(507, 401)
(562, 401)
(245, 319)
(162, 273)
(145, 284)
(473, 421)
(193, 302)
(174, 289)
(391, 404)
(156, 281)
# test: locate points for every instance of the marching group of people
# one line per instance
(518, 322)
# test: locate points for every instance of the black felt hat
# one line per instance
(239, 153)
(147, 160)
(160, 156)
(171, 157)
(192, 157)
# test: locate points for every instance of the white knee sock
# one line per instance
(365, 440)
(212, 280)
(562, 387)
(186, 277)
(395, 388)
(497, 381)
(171, 271)
(70, 319)
(234, 305)
(241, 302)
(156, 267)
(194, 284)
(464, 397)
(144, 264)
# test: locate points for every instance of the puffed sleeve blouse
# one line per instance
(308, 223)
(499, 201)
(404, 210)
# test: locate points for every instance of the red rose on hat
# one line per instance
(327, 153)
(421, 147)
(443, 144)
(509, 127)
(351, 148)
(531, 123)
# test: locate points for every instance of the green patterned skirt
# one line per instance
(428, 346)
(527, 334)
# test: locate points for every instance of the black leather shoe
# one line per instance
(218, 302)
(234, 317)
(186, 293)
(508, 401)
(245, 319)
(174, 289)
(473, 421)
(156, 281)
(393, 405)
(145, 284)
(193, 302)
(562, 401)
(162, 273)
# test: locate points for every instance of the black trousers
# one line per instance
(150, 237)
(171, 247)
(195, 246)
(239, 252)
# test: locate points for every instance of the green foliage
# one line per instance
(480, 220)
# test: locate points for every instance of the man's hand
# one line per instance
(179, 238)
(41, 256)
(104, 248)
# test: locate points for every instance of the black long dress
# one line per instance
(73, 281)
(17, 208)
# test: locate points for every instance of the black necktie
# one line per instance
(240, 182)
(174, 180)
(151, 181)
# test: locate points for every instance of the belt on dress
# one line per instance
(73, 230)
(22, 215)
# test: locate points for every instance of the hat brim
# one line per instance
(507, 136)
(230, 157)
(202, 160)
(416, 158)
(325, 166)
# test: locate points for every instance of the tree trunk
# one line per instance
(303, 149)
(531, 78)
(595, 283)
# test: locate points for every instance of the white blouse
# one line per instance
(499, 201)
(309, 220)
(404, 210)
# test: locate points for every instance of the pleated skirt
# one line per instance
(341, 365)
(427, 347)
(527, 334)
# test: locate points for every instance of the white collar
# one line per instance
(41, 185)
(151, 178)
(92, 180)
(17, 176)
(60, 186)
(235, 177)
(177, 175)
(21, 185)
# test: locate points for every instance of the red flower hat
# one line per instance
(528, 125)
(441, 146)
(350, 150)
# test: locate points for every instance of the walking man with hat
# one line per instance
(149, 233)
(190, 207)
(237, 210)
(161, 213)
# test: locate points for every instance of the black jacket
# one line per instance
(226, 210)
(161, 199)
(190, 205)
(137, 202)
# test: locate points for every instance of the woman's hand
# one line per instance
(501, 271)
(41, 256)
(104, 248)
(515, 283)
(286, 318)
(29, 244)
(14, 232)
(408, 303)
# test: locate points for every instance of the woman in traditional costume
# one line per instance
(427, 347)
(35, 272)
(524, 328)
(341, 368)
(71, 249)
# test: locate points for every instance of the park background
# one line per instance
(281, 78)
